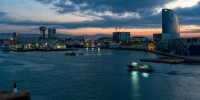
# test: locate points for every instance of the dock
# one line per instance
(30, 50)
(171, 61)
(15, 94)
(9, 95)
(188, 59)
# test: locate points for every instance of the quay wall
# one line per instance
(188, 59)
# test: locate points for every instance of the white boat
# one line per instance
(5, 47)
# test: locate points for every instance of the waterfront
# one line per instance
(98, 74)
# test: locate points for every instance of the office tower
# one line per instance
(49, 33)
(170, 25)
(54, 33)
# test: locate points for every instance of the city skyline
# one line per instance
(79, 17)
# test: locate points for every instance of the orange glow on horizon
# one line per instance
(185, 31)
(92, 31)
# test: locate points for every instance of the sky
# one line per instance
(81, 17)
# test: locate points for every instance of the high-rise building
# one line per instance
(49, 33)
(54, 33)
(15, 36)
(170, 25)
(121, 36)
(42, 31)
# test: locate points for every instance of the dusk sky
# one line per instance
(80, 17)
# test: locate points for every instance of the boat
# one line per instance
(143, 68)
(5, 46)
(81, 54)
(70, 54)
(67, 53)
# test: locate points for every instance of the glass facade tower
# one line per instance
(170, 25)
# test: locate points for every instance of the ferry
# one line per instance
(143, 68)
(5, 47)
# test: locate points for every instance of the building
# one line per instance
(121, 37)
(35, 40)
(54, 33)
(105, 39)
(162, 46)
(51, 33)
(151, 46)
(185, 46)
(42, 32)
(114, 45)
(157, 37)
(15, 36)
(138, 39)
(170, 25)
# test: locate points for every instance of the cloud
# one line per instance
(4, 17)
(2, 14)
(189, 15)
(105, 22)
(111, 13)
(99, 6)
(191, 31)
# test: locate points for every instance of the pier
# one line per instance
(171, 61)
(188, 59)
(29, 50)
(9, 95)
(182, 58)
(14, 95)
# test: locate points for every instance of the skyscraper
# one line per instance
(42, 31)
(49, 33)
(170, 25)
(54, 33)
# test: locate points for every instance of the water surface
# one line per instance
(98, 74)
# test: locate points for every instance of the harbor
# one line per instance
(99, 50)
(54, 76)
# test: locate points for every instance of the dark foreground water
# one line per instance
(98, 74)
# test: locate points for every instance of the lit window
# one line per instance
(165, 10)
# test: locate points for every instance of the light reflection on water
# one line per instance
(146, 75)
(135, 84)
(99, 50)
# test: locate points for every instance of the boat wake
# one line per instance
(178, 73)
